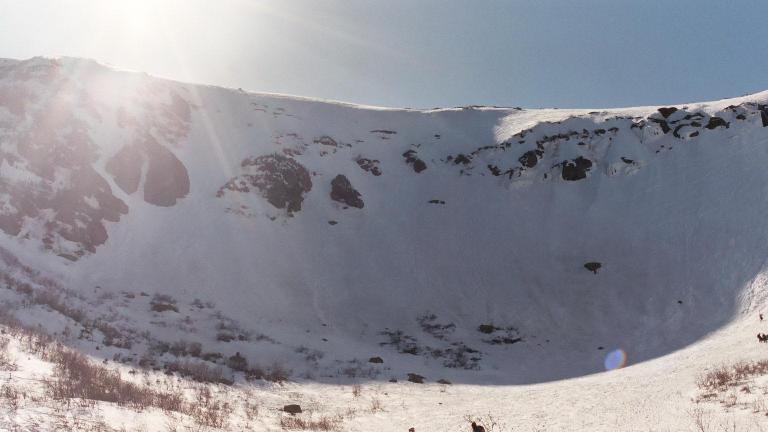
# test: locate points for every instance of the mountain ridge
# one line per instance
(389, 231)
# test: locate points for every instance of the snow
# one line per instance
(680, 231)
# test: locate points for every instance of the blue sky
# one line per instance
(417, 53)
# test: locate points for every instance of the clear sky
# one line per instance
(417, 53)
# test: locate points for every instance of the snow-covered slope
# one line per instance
(349, 232)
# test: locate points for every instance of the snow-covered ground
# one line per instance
(154, 223)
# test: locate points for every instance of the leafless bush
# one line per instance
(357, 390)
(321, 424)
(162, 303)
(199, 371)
(277, 373)
(251, 410)
(10, 396)
(207, 410)
(700, 419)
(488, 421)
(183, 348)
(717, 379)
(376, 405)
(6, 362)
(75, 377)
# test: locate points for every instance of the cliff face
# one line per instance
(455, 238)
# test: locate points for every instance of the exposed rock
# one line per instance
(327, 141)
(343, 192)
(415, 378)
(529, 159)
(486, 328)
(593, 266)
(627, 160)
(443, 381)
(369, 165)
(763, 113)
(376, 360)
(504, 340)
(436, 201)
(292, 409)
(667, 111)
(715, 122)
(576, 169)
(166, 180)
(664, 125)
(125, 168)
(494, 170)
(332, 222)
(411, 159)
(54, 143)
(281, 180)
(462, 159)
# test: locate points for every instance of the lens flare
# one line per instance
(615, 359)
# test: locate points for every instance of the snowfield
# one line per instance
(236, 252)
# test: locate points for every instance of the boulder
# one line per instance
(576, 169)
(667, 111)
(593, 266)
(415, 378)
(343, 192)
(292, 409)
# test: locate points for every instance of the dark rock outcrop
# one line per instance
(281, 180)
(343, 192)
(529, 159)
(326, 141)
(292, 409)
(593, 266)
(716, 122)
(415, 378)
(576, 169)
(462, 159)
(413, 160)
(369, 165)
(763, 113)
(663, 123)
(667, 111)
(486, 328)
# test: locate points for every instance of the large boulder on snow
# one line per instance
(343, 192)
(281, 180)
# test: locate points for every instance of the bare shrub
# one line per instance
(199, 371)
(163, 303)
(6, 362)
(488, 421)
(700, 419)
(77, 378)
(10, 396)
(717, 379)
(207, 410)
(277, 373)
(322, 424)
(251, 410)
(376, 405)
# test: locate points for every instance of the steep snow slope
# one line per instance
(332, 228)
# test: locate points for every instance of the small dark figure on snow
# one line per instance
(412, 430)
(762, 338)
(477, 428)
(761, 317)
